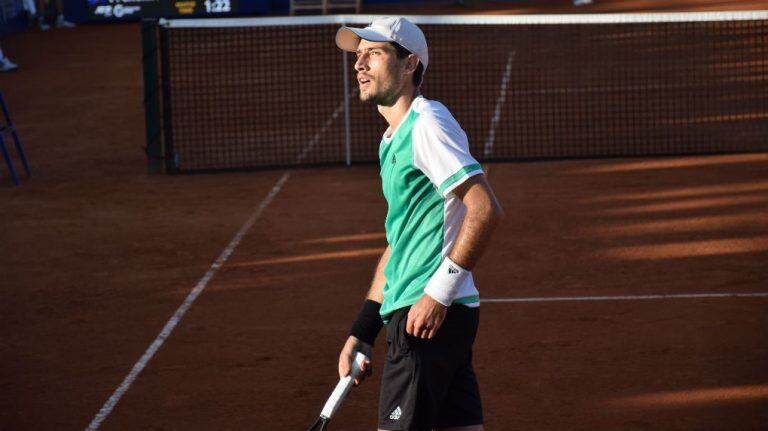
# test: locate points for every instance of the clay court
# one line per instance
(619, 294)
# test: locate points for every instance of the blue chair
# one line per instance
(8, 127)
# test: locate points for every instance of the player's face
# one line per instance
(378, 74)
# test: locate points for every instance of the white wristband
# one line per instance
(445, 282)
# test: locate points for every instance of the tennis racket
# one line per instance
(338, 394)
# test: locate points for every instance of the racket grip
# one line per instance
(343, 387)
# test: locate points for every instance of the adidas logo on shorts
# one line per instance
(396, 413)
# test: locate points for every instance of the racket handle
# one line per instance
(343, 387)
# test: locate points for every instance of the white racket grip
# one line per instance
(343, 387)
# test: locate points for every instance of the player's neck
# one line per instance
(395, 113)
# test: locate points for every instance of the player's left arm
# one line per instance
(483, 216)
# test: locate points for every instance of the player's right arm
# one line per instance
(373, 299)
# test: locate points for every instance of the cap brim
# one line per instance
(347, 38)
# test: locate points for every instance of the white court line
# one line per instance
(106, 409)
(320, 133)
(324, 128)
(499, 103)
(174, 320)
(627, 297)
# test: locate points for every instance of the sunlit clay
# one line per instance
(687, 205)
(684, 192)
(363, 252)
(695, 397)
(719, 118)
(347, 238)
(684, 224)
(683, 162)
(690, 249)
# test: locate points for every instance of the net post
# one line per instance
(169, 155)
(347, 139)
(152, 119)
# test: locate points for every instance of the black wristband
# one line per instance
(368, 322)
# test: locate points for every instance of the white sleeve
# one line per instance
(441, 151)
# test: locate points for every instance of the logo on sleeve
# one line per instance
(396, 413)
(452, 270)
(394, 158)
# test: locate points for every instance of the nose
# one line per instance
(361, 63)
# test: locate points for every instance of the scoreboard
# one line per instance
(133, 9)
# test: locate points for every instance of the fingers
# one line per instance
(424, 318)
(433, 329)
(438, 323)
(410, 323)
(360, 376)
(416, 325)
(428, 332)
(365, 371)
(347, 358)
(422, 329)
(426, 329)
(344, 361)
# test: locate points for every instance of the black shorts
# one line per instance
(430, 383)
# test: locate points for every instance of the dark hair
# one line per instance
(418, 74)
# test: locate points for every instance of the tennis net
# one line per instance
(249, 93)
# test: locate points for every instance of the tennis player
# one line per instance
(441, 213)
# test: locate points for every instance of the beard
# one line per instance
(384, 96)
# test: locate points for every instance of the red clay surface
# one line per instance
(97, 255)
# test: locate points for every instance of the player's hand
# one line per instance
(425, 317)
(347, 357)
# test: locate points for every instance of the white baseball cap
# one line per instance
(398, 30)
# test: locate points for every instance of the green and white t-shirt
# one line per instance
(422, 161)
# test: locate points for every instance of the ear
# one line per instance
(412, 63)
